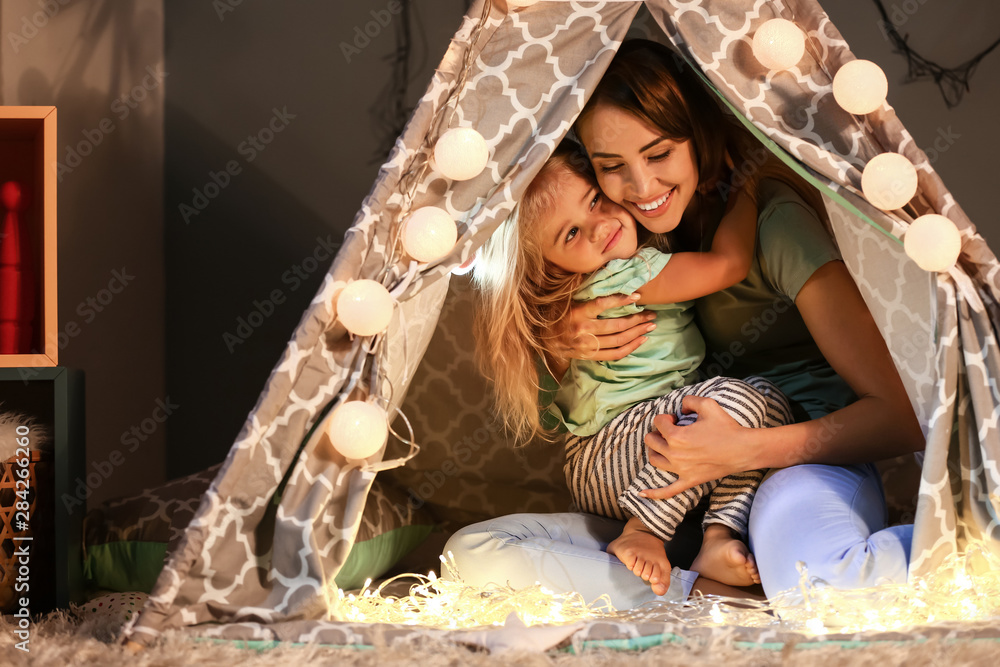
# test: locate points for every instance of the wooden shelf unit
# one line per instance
(28, 155)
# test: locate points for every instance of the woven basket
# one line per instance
(40, 582)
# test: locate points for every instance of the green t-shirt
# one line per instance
(592, 393)
(754, 328)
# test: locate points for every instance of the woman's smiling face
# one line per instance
(652, 176)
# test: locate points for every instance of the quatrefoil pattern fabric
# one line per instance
(254, 569)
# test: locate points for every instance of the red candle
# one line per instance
(16, 288)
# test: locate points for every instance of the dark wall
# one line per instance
(100, 63)
(962, 143)
(271, 145)
(230, 71)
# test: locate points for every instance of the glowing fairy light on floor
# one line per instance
(965, 588)
(452, 604)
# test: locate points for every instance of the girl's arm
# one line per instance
(687, 275)
(690, 275)
(879, 425)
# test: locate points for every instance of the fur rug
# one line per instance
(65, 639)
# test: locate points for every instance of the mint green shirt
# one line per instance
(753, 328)
(592, 393)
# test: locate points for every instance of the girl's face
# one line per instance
(652, 176)
(582, 230)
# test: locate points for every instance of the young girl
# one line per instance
(565, 242)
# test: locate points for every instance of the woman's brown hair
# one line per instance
(654, 84)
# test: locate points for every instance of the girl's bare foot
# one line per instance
(725, 558)
(643, 553)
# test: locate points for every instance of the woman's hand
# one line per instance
(584, 336)
(684, 450)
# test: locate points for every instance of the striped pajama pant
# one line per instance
(606, 471)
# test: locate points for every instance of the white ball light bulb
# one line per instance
(364, 307)
(933, 242)
(889, 181)
(428, 234)
(860, 87)
(461, 153)
(357, 429)
(779, 44)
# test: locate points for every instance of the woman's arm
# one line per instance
(879, 425)
(690, 275)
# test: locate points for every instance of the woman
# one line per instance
(663, 149)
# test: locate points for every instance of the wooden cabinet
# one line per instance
(54, 398)
(31, 382)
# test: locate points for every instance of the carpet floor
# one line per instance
(62, 638)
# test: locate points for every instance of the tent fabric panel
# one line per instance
(796, 110)
(225, 568)
(311, 372)
(522, 94)
(468, 469)
(898, 293)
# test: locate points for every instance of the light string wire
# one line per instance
(450, 603)
(409, 182)
(415, 172)
(905, 214)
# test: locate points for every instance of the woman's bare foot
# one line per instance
(725, 558)
(642, 552)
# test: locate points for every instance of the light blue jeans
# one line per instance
(833, 518)
(563, 552)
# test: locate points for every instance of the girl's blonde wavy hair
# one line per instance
(521, 297)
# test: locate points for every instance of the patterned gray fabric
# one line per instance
(262, 574)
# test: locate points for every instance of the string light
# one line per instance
(357, 429)
(933, 242)
(452, 604)
(779, 44)
(889, 181)
(520, 4)
(429, 233)
(860, 87)
(965, 587)
(364, 307)
(461, 153)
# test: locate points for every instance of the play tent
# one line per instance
(278, 522)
